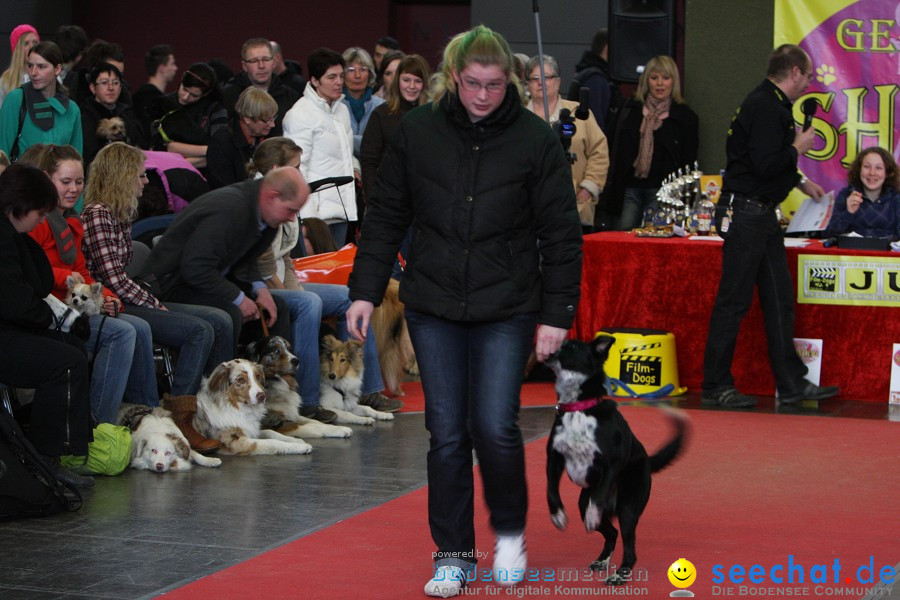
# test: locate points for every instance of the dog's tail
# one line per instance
(673, 448)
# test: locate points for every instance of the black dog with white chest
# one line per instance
(593, 443)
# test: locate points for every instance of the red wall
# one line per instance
(203, 30)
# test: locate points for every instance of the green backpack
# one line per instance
(108, 454)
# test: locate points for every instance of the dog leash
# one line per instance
(613, 384)
(262, 319)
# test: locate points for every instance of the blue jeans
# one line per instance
(191, 336)
(220, 321)
(634, 203)
(307, 308)
(472, 377)
(122, 365)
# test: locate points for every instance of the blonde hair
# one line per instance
(255, 103)
(355, 54)
(479, 45)
(271, 153)
(111, 180)
(12, 77)
(659, 64)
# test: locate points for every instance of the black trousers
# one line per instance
(248, 331)
(753, 256)
(55, 365)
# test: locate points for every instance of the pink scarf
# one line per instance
(654, 112)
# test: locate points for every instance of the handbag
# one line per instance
(329, 267)
(108, 454)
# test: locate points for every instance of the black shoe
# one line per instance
(318, 413)
(810, 391)
(727, 397)
(65, 475)
(380, 402)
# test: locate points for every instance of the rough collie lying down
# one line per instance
(340, 382)
(395, 351)
(230, 408)
(273, 354)
(156, 442)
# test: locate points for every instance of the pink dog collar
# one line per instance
(577, 406)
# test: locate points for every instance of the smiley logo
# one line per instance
(682, 573)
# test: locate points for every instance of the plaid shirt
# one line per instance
(873, 219)
(107, 249)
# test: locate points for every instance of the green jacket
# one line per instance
(66, 125)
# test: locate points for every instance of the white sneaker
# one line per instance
(510, 559)
(447, 582)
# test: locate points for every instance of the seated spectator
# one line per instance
(159, 62)
(191, 116)
(591, 164)
(382, 47)
(309, 302)
(316, 237)
(4, 161)
(202, 335)
(407, 90)
(100, 111)
(209, 254)
(172, 184)
(72, 41)
(288, 72)
(50, 116)
(99, 52)
(258, 61)
(359, 77)
(870, 205)
(230, 149)
(385, 73)
(22, 39)
(320, 124)
(53, 363)
(121, 349)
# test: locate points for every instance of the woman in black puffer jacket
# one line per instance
(495, 253)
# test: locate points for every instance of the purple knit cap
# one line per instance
(18, 32)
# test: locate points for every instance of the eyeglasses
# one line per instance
(360, 70)
(262, 59)
(808, 75)
(470, 85)
(143, 176)
(264, 120)
(537, 78)
(108, 82)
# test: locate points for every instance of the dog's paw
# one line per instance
(338, 431)
(592, 517)
(600, 565)
(301, 448)
(366, 421)
(560, 520)
(213, 462)
(384, 416)
(620, 577)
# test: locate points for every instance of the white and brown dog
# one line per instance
(273, 354)
(340, 382)
(156, 442)
(230, 408)
(87, 299)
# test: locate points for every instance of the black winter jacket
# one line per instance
(495, 227)
(25, 278)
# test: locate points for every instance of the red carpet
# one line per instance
(533, 394)
(751, 489)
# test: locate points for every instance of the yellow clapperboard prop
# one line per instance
(645, 361)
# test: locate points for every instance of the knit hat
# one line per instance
(18, 32)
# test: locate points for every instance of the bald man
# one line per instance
(209, 254)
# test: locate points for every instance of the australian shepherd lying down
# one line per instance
(340, 382)
(156, 442)
(273, 354)
(230, 408)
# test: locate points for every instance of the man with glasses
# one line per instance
(763, 147)
(104, 118)
(258, 64)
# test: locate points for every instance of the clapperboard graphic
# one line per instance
(822, 279)
(638, 368)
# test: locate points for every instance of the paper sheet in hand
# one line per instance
(813, 215)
